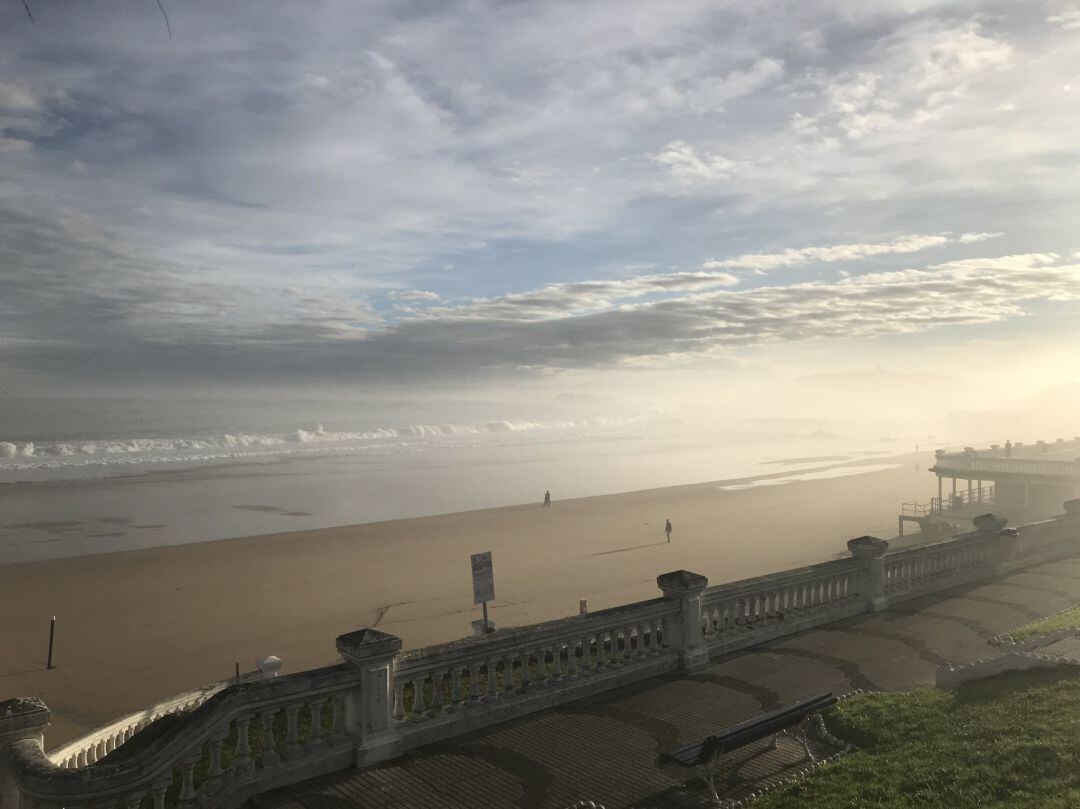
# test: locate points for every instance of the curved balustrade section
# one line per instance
(242, 740)
(439, 690)
(747, 612)
(98, 743)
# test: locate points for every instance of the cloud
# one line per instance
(685, 163)
(260, 185)
(837, 252)
(1069, 19)
(586, 325)
(971, 238)
(413, 295)
(14, 98)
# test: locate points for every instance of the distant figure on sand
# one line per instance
(1008, 448)
(667, 529)
(547, 498)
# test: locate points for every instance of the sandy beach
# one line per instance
(139, 626)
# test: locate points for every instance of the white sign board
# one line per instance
(483, 578)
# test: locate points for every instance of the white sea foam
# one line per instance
(165, 450)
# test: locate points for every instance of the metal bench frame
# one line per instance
(705, 756)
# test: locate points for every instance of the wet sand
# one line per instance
(139, 626)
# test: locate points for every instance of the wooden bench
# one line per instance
(704, 756)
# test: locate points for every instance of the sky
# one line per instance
(399, 193)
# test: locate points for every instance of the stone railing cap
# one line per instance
(989, 522)
(681, 580)
(874, 546)
(366, 643)
(19, 713)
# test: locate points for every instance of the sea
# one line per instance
(82, 475)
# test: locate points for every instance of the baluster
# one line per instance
(399, 698)
(437, 697)
(586, 654)
(418, 707)
(492, 677)
(615, 653)
(628, 644)
(571, 658)
(601, 652)
(316, 740)
(216, 770)
(474, 682)
(242, 758)
(293, 748)
(337, 724)
(457, 693)
(269, 757)
(508, 674)
(159, 789)
(526, 660)
(187, 784)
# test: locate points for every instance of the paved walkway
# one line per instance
(603, 749)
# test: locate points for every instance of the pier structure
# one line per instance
(1026, 482)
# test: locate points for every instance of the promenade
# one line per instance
(603, 749)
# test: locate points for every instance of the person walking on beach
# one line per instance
(547, 498)
(667, 529)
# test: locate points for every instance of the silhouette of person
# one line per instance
(667, 529)
(547, 498)
(1008, 448)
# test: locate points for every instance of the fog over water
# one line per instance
(91, 475)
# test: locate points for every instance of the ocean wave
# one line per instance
(25, 454)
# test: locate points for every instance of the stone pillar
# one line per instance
(872, 551)
(369, 709)
(20, 720)
(688, 637)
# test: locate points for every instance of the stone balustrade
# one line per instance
(218, 747)
(443, 690)
(100, 742)
(928, 568)
(747, 612)
(243, 740)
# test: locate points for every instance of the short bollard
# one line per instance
(52, 635)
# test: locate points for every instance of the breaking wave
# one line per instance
(23, 455)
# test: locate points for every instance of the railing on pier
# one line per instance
(972, 464)
(966, 502)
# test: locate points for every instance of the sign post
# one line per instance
(483, 583)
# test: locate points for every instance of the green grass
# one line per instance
(1065, 620)
(1009, 741)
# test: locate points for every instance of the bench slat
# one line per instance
(752, 730)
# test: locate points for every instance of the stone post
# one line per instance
(872, 551)
(688, 636)
(20, 720)
(369, 709)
